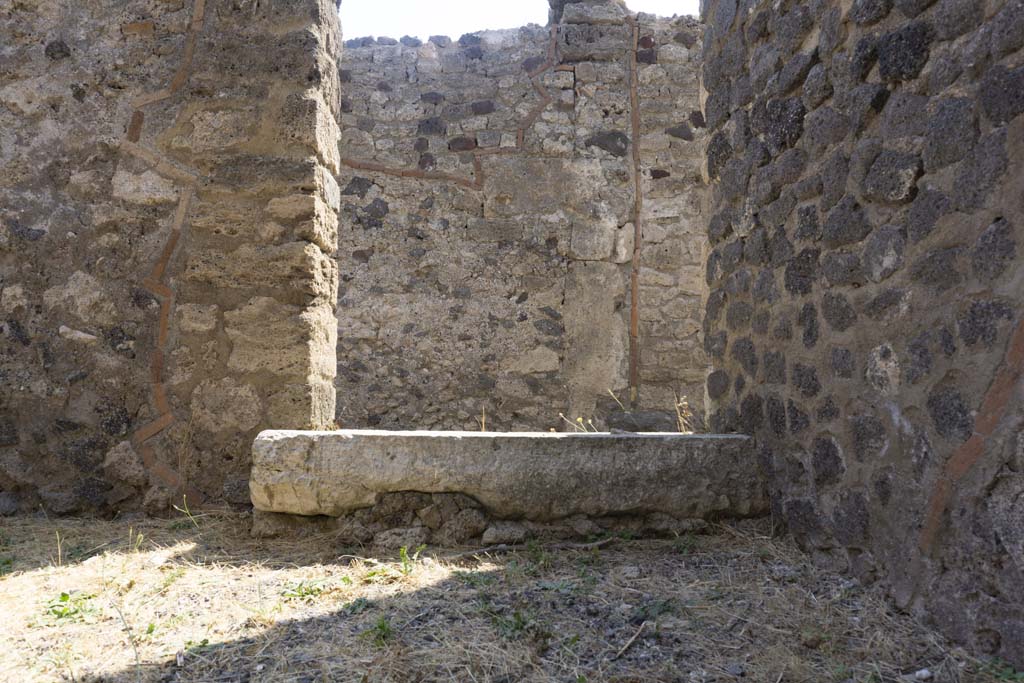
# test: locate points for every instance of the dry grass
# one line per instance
(158, 600)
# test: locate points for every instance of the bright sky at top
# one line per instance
(424, 18)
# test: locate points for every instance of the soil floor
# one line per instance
(197, 599)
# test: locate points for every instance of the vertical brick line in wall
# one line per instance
(993, 408)
(638, 204)
(154, 281)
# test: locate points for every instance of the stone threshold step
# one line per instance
(533, 476)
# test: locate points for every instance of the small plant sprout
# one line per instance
(185, 511)
(70, 605)
(381, 632)
(409, 562)
(358, 606)
(135, 539)
(303, 590)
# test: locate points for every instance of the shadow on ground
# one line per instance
(199, 600)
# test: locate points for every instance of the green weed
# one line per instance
(303, 590)
(358, 606)
(172, 576)
(510, 627)
(71, 606)
(650, 611)
(1002, 671)
(381, 632)
(539, 557)
(475, 579)
(409, 562)
(684, 545)
(195, 647)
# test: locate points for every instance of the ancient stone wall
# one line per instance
(167, 216)
(489, 203)
(866, 279)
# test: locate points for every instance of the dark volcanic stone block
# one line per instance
(838, 312)
(950, 414)
(846, 224)
(802, 271)
(952, 130)
(432, 126)
(994, 250)
(904, 52)
(614, 142)
(892, 177)
(866, 12)
(1002, 93)
(826, 461)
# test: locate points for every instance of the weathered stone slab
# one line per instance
(536, 476)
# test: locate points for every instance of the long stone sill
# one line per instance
(542, 476)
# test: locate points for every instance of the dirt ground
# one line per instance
(197, 599)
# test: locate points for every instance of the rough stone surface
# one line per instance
(155, 183)
(539, 477)
(898, 314)
(485, 285)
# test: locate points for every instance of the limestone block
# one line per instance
(87, 184)
(298, 269)
(504, 532)
(84, 296)
(316, 221)
(306, 119)
(13, 298)
(123, 464)
(30, 96)
(226, 405)
(540, 359)
(326, 187)
(597, 332)
(518, 186)
(593, 240)
(197, 318)
(625, 238)
(283, 341)
(593, 42)
(149, 188)
(539, 476)
(301, 406)
(594, 13)
(215, 130)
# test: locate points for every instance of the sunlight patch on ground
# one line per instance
(153, 600)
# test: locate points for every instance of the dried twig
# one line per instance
(630, 641)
